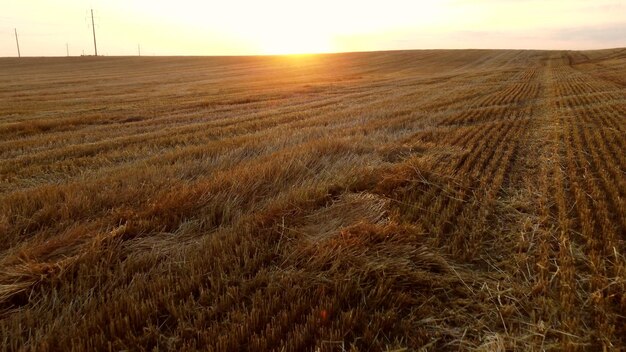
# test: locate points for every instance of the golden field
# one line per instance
(410, 200)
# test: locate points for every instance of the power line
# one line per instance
(93, 26)
(18, 43)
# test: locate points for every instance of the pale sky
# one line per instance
(248, 27)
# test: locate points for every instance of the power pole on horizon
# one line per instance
(138, 50)
(93, 26)
(18, 43)
(67, 49)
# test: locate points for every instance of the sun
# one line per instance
(295, 42)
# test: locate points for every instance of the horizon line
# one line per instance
(312, 53)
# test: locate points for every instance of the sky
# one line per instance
(252, 27)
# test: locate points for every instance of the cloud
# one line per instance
(609, 33)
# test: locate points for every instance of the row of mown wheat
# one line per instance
(598, 203)
(581, 262)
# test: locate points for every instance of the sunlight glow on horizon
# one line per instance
(240, 27)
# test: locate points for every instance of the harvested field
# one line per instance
(435, 200)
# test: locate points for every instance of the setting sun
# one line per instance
(295, 43)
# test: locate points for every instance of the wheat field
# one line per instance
(403, 201)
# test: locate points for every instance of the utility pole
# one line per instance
(18, 44)
(138, 50)
(93, 26)
(67, 49)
